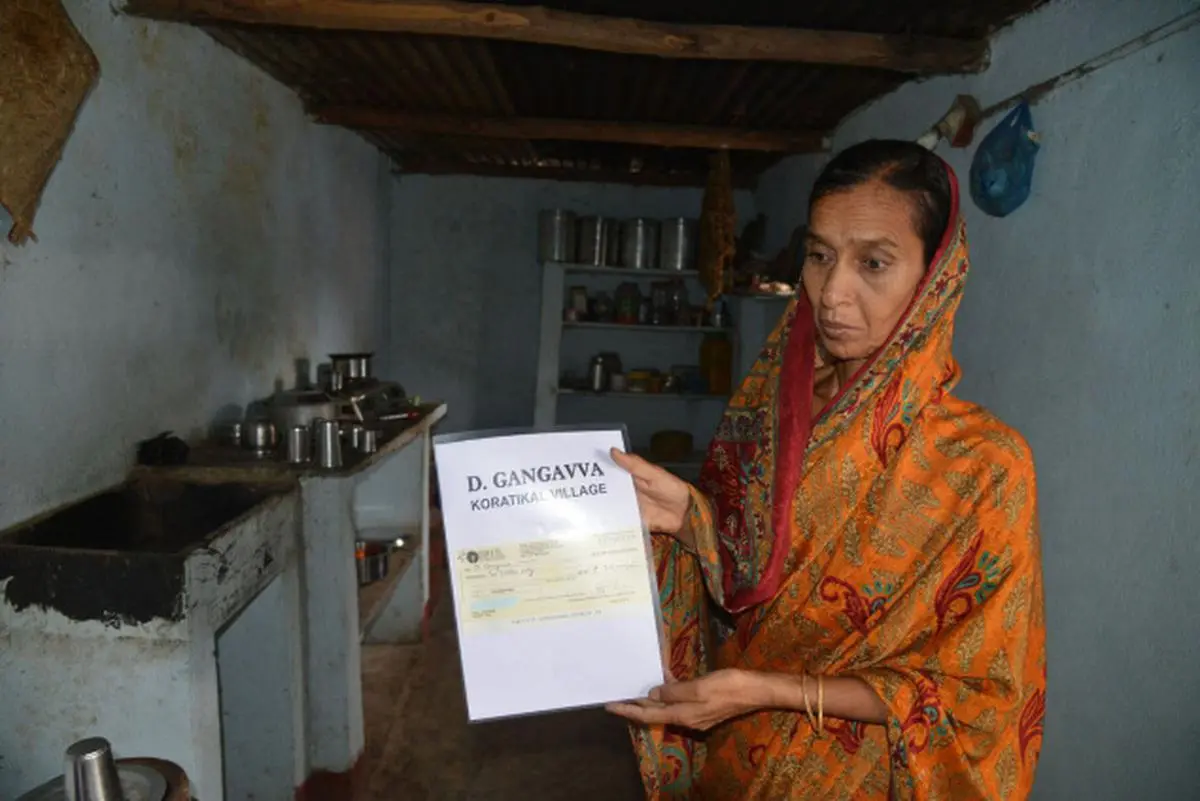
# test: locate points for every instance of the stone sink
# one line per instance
(151, 549)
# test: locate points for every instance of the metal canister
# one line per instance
(639, 243)
(369, 441)
(91, 773)
(595, 238)
(612, 255)
(678, 244)
(371, 560)
(556, 235)
(598, 374)
(299, 445)
(259, 436)
(329, 444)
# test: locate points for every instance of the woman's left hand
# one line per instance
(699, 704)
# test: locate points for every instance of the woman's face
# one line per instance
(863, 263)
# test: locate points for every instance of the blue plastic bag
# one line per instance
(1002, 170)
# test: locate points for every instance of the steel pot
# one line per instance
(230, 433)
(299, 444)
(354, 433)
(371, 561)
(92, 774)
(294, 408)
(327, 436)
(351, 366)
(259, 436)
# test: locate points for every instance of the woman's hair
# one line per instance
(905, 166)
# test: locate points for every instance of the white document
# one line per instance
(553, 588)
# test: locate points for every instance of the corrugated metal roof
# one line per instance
(506, 79)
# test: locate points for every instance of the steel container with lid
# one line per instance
(328, 444)
(598, 374)
(299, 445)
(556, 235)
(93, 774)
(678, 244)
(259, 436)
(596, 237)
(351, 366)
(639, 243)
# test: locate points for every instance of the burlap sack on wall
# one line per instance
(46, 71)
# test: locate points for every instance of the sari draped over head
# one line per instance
(892, 538)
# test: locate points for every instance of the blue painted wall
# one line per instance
(466, 285)
(197, 237)
(1081, 327)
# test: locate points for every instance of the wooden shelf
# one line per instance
(680, 396)
(633, 272)
(661, 329)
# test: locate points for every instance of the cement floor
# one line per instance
(419, 746)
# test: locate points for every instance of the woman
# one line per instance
(853, 595)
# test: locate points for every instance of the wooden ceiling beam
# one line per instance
(530, 129)
(910, 54)
(425, 166)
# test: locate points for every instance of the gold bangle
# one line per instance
(820, 705)
(807, 704)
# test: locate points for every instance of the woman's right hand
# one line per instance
(663, 498)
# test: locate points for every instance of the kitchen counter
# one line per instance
(215, 464)
(380, 496)
(246, 670)
(164, 616)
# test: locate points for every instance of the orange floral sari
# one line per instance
(893, 538)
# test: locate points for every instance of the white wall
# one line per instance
(1081, 327)
(466, 284)
(197, 237)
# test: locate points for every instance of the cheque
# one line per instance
(546, 580)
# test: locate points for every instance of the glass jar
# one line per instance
(628, 301)
(677, 303)
(578, 301)
(659, 303)
(602, 308)
(645, 312)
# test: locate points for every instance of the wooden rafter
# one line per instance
(910, 54)
(419, 165)
(523, 128)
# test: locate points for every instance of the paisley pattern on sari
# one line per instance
(893, 538)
